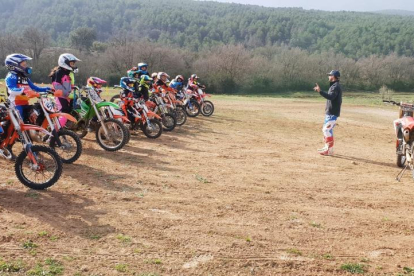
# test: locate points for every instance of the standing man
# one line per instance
(332, 110)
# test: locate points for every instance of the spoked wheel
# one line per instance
(192, 108)
(71, 146)
(153, 129)
(401, 158)
(42, 173)
(169, 122)
(115, 139)
(180, 115)
(207, 109)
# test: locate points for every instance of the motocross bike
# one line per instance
(175, 107)
(66, 143)
(206, 107)
(89, 110)
(191, 106)
(37, 167)
(404, 130)
(158, 106)
(142, 117)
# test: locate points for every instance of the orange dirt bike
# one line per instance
(37, 167)
(140, 116)
(66, 143)
(158, 106)
(175, 106)
(404, 130)
(206, 107)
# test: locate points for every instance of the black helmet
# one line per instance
(335, 73)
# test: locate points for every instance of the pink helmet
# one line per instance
(95, 82)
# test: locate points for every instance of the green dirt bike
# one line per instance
(94, 114)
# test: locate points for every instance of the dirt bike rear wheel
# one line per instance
(48, 161)
(207, 109)
(71, 148)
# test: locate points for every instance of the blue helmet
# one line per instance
(142, 64)
(13, 61)
(128, 84)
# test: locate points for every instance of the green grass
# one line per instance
(354, 268)
(294, 251)
(124, 238)
(121, 267)
(29, 245)
(14, 266)
(50, 267)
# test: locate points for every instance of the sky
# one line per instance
(334, 5)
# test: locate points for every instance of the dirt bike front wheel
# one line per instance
(192, 108)
(180, 115)
(168, 121)
(207, 108)
(154, 130)
(44, 173)
(115, 139)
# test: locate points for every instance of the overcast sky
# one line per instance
(334, 5)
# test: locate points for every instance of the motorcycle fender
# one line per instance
(152, 114)
(103, 104)
(122, 117)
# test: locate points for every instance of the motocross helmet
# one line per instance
(65, 60)
(128, 84)
(162, 74)
(96, 83)
(13, 64)
(141, 65)
(179, 78)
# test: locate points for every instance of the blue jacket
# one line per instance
(176, 85)
(20, 88)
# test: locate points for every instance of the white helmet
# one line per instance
(64, 60)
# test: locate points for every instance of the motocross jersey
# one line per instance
(20, 89)
(63, 79)
(177, 85)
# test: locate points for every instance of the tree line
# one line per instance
(196, 25)
(224, 68)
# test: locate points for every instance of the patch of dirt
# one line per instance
(243, 192)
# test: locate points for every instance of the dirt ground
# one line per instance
(243, 192)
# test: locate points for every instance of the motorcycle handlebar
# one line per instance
(391, 102)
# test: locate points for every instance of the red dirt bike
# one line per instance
(37, 167)
(147, 120)
(206, 107)
(404, 130)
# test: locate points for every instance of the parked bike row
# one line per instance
(51, 128)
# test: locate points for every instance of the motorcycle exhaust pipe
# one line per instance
(406, 135)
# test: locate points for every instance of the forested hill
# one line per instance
(196, 25)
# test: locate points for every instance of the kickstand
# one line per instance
(401, 173)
